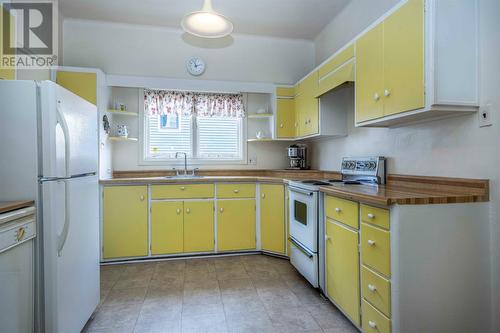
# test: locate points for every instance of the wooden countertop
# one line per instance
(415, 190)
(400, 189)
(6, 206)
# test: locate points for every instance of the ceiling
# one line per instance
(302, 19)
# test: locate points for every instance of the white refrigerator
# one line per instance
(49, 152)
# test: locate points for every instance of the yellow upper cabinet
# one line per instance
(125, 223)
(285, 92)
(81, 83)
(285, 118)
(370, 75)
(272, 218)
(236, 224)
(404, 59)
(338, 70)
(167, 227)
(390, 65)
(7, 72)
(199, 226)
(307, 106)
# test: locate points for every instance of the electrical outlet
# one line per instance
(485, 116)
(252, 160)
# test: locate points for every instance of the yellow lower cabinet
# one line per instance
(272, 218)
(198, 226)
(373, 320)
(236, 224)
(167, 227)
(125, 224)
(342, 268)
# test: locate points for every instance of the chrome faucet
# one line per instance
(185, 162)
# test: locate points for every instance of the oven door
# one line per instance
(304, 217)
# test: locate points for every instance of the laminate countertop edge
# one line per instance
(400, 189)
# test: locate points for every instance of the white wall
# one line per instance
(453, 147)
(351, 20)
(150, 51)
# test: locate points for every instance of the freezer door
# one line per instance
(71, 253)
(69, 133)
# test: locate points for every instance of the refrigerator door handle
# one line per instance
(61, 239)
(64, 126)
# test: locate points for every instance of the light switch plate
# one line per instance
(252, 160)
(485, 116)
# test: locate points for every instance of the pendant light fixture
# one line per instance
(207, 23)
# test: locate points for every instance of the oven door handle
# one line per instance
(298, 190)
(301, 248)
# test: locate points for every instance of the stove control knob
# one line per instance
(373, 165)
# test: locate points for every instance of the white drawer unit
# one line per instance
(17, 231)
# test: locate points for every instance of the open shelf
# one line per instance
(119, 138)
(260, 115)
(260, 140)
(123, 113)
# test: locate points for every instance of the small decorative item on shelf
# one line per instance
(259, 135)
(262, 110)
(105, 124)
(122, 131)
(120, 106)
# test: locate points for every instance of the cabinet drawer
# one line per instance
(376, 290)
(376, 249)
(373, 320)
(375, 216)
(342, 210)
(235, 191)
(182, 191)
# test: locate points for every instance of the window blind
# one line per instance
(219, 138)
(164, 143)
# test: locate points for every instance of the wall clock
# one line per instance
(195, 66)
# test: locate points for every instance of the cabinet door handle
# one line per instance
(327, 238)
(183, 188)
(338, 210)
(371, 216)
(376, 97)
(372, 324)
(20, 234)
(188, 210)
(222, 210)
(372, 288)
(141, 198)
(387, 93)
(281, 125)
(236, 191)
(371, 242)
(263, 195)
(178, 210)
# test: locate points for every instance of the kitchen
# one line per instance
(315, 167)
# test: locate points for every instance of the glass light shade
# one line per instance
(207, 23)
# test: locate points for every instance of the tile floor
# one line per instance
(251, 293)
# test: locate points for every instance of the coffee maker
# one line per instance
(297, 155)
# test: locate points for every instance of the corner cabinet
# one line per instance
(413, 65)
(125, 222)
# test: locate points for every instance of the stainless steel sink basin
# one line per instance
(184, 177)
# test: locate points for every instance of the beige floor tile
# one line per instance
(346, 329)
(236, 286)
(172, 296)
(125, 296)
(111, 330)
(136, 282)
(171, 265)
(242, 302)
(277, 299)
(231, 272)
(328, 316)
(305, 292)
(198, 286)
(250, 322)
(110, 318)
(214, 323)
(158, 326)
(203, 309)
(296, 319)
(160, 310)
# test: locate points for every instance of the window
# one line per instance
(205, 136)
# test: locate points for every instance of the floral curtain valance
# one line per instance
(160, 102)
